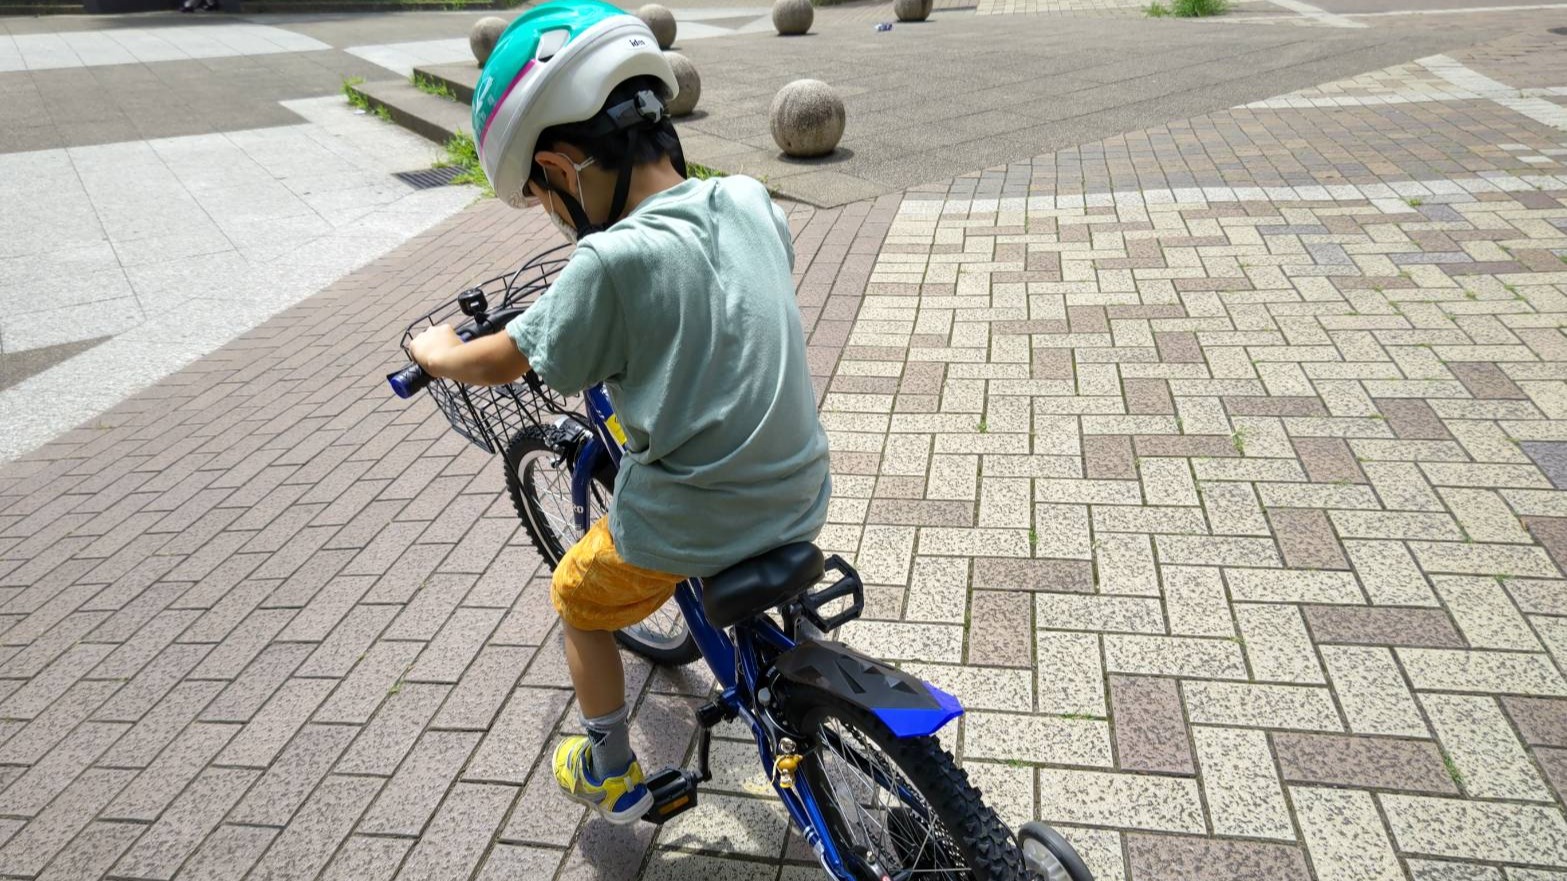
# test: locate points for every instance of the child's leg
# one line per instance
(596, 671)
(597, 593)
(600, 681)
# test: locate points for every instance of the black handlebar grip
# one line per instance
(412, 379)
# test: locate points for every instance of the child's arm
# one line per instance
(489, 360)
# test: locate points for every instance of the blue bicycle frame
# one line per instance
(737, 664)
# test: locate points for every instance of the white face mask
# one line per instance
(567, 230)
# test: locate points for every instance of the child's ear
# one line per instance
(550, 161)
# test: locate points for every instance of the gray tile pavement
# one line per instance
(115, 46)
(127, 102)
(172, 246)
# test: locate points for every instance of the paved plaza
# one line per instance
(1209, 442)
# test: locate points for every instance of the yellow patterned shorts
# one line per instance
(596, 590)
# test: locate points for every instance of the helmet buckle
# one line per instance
(649, 107)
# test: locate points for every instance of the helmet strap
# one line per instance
(678, 155)
(617, 204)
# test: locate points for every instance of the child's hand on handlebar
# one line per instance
(484, 360)
(428, 347)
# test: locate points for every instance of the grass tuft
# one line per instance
(462, 153)
(359, 102)
(1186, 8)
(429, 86)
(1452, 770)
(354, 98)
(702, 172)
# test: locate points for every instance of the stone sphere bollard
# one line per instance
(807, 118)
(912, 10)
(690, 83)
(485, 34)
(661, 21)
(793, 17)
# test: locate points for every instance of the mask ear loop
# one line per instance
(579, 216)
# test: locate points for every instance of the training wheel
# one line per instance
(1049, 855)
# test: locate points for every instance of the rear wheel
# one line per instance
(897, 808)
(538, 479)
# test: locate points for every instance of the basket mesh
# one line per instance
(488, 416)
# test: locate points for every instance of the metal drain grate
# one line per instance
(428, 178)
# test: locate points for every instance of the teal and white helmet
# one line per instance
(555, 64)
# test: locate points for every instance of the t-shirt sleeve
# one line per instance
(781, 220)
(574, 336)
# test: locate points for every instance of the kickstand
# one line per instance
(704, 747)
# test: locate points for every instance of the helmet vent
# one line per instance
(550, 42)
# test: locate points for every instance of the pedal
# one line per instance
(674, 793)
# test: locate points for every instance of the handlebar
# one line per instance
(410, 380)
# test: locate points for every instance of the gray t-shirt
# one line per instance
(685, 310)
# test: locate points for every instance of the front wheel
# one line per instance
(895, 807)
(538, 479)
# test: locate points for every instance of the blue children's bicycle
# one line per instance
(848, 742)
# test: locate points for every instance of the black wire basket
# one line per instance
(489, 416)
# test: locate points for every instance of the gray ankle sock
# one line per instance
(610, 736)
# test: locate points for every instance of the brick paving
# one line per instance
(1219, 468)
(264, 618)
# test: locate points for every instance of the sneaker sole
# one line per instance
(616, 818)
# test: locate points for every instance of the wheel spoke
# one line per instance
(883, 814)
(550, 488)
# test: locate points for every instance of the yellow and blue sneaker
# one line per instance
(621, 799)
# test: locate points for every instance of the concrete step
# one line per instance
(420, 112)
(460, 78)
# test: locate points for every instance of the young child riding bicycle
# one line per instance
(679, 299)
